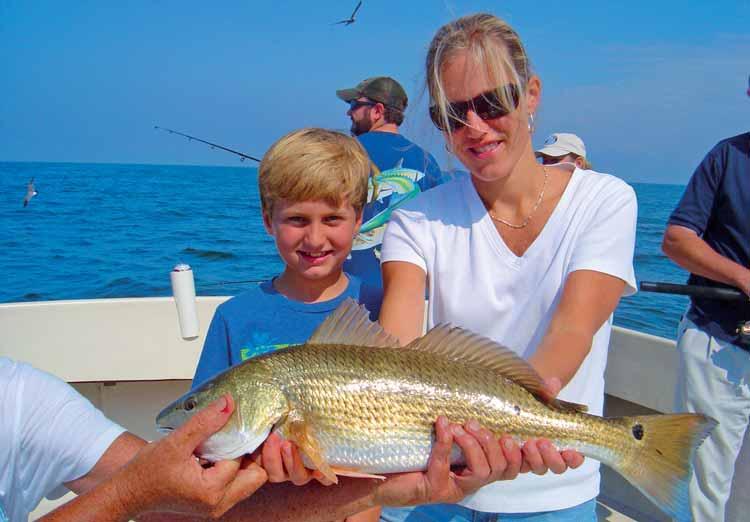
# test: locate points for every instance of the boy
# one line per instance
(313, 187)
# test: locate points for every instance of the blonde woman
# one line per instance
(535, 257)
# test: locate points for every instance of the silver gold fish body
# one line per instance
(357, 404)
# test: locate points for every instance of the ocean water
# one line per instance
(108, 230)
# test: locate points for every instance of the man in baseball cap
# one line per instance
(376, 109)
(563, 147)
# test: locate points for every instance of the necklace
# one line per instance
(528, 218)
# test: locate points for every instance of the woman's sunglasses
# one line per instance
(488, 105)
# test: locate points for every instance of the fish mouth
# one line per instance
(166, 430)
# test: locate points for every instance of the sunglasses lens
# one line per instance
(455, 120)
(493, 105)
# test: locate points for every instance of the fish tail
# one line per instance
(661, 461)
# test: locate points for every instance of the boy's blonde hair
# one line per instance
(490, 42)
(314, 164)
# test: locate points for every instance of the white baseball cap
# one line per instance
(562, 144)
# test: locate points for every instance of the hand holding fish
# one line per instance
(166, 476)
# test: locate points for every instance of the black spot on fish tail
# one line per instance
(638, 431)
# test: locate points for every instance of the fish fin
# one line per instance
(298, 432)
(461, 345)
(661, 461)
(399, 164)
(350, 324)
(344, 472)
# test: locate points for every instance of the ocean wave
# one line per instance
(208, 254)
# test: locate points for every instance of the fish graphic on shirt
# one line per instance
(398, 183)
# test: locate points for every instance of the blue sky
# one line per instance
(650, 86)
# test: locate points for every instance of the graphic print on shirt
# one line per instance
(389, 189)
(261, 343)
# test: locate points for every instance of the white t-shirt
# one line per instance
(475, 281)
(49, 434)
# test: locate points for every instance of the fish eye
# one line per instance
(190, 403)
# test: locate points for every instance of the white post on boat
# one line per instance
(183, 289)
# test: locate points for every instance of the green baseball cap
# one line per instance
(381, 89)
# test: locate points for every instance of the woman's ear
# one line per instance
(533, 94)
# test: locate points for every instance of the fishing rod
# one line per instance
(704, 292)
(242, 155)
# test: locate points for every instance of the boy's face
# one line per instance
(313, 237)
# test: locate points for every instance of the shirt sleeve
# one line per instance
(62, 429)
(406, 239)
(607, 243)
(697, 203)
(215, 355)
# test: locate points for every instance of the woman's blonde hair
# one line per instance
(314, 164)
(488, 41)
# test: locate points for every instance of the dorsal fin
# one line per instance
(457, 344)
(350, 324)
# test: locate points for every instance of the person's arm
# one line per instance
(599, 272)
(166, 476)
(588, 299)
(402, 311)
(122, 449)
(686, 248)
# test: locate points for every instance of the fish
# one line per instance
(357, 404)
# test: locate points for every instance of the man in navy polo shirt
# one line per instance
(708, 234)
(401, 168)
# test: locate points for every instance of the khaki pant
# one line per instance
(714, 379)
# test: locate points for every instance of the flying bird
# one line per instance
(30, 192)
(350, 20)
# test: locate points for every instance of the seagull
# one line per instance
(30, 192)
(350, 20)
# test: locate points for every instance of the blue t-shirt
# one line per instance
(401, 170)
(716, 205)
(262, 320)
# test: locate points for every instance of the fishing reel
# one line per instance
(706, 292)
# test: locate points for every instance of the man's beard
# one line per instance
(362, 126)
